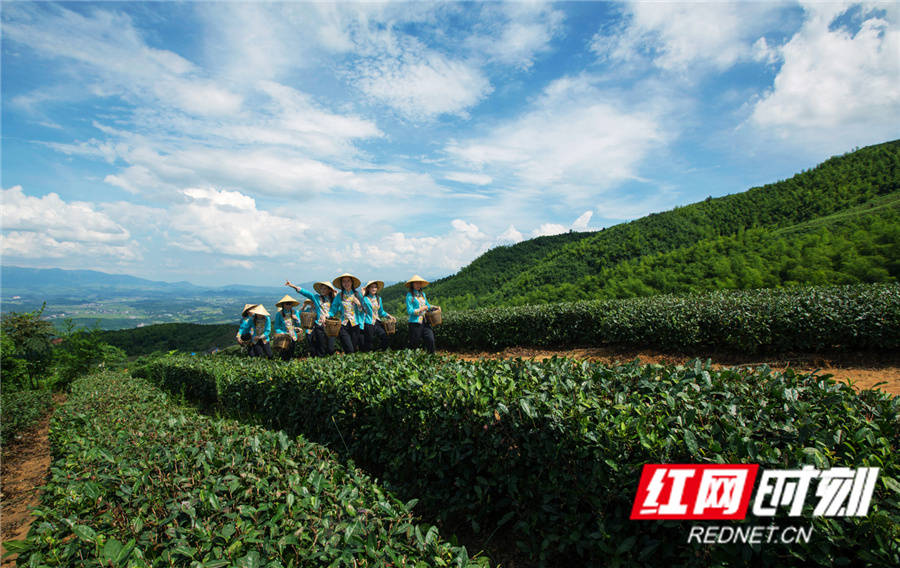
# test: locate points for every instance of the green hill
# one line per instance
(836, 223)
(171, 336)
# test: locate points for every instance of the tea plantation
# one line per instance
(545, 457)
(320, 462)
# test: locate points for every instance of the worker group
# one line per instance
(336, 311)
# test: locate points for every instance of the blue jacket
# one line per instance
(412, 305)
(280, 327)
(316, 300)
(248, 328)
(359, 317)
(370, 311)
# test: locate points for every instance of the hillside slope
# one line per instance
(571, 267)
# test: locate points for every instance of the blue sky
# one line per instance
(255, 142)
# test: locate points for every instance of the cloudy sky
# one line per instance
(253, 142)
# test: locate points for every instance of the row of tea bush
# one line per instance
(546, 456)
(139, 481)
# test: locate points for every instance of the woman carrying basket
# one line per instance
(349, 307)
(244, 340)
(374, 312)
(286, 325)
(309, 308)
(255, 330)
(416, 306)
(321, 299)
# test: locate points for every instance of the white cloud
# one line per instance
(515, 33)
(273, 171)
(581, 223)
(420, 83)
(133, 215)
(48, 227)
(31, 245)
(229, 222)
(762, 52)
(434, 254)
(548, 229)
(245, 264)
(683, 37)
(297, 113)
(575, 135)
(836, 83)
(510, 236)
(394, 183)
(115, 60)
(250, 41)
(75, 221)
(193, 129)
(469, 178)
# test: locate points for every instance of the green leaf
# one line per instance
(85, 533)
(890, 483)
(691, 442)
(111, 549)
(16, 546)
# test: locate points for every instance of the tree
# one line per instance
(27, 352)
(81, 351)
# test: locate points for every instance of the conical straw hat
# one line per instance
(259, 310)
(337, 281)
(416, 278)
(247, 307)
(370, 282)
(287, 300)
(322, 287)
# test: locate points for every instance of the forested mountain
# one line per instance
(836, 223)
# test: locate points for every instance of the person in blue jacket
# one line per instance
(308, 306)
(416, 306)
(257, 330)
(244, 340)
(287, 326)
(374, 312)
(321, 299)
(348, 306)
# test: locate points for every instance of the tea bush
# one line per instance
(748, 321)
(138, 481)
(548, 455)
(21, 409)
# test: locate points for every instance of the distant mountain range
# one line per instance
(19, 280)
(115, 301)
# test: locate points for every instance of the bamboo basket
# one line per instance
(281, 341)
(390, 326)
(307, 319)
(332, 327)
(434, 316)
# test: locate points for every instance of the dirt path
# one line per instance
(864, 370)
(26, 463)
